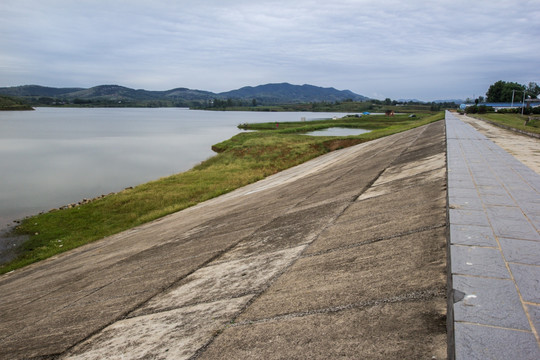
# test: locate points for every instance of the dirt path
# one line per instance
(524, 148)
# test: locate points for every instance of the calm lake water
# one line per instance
(55, 156)
(337, 131)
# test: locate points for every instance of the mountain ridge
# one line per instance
(282, 93)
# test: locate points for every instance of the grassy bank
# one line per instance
(8, 103)
(243, 159)
(515, 121)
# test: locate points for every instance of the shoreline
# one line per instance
(10, 243)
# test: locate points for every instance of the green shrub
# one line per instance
(482, 109)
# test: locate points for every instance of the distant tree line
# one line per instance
(503, 91)
(346, 105)
(254, 104)
(104, 102)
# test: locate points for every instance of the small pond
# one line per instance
(337, 131)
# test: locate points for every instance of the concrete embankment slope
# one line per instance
(344, 256)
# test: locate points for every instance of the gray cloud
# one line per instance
(386, 48)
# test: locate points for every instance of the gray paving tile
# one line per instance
(521, 251)
(460, 180)
(505, 213)
(491, 190)
(468, 217)
(535, 220)
(463, 193)
(498, 200)
(460, 183)
(455, 164)
(472, 235)
(472, 260)
(530, 206)
(475, 164)
(514, 229)
(489, 302)
(521, 190)
(508, 175)
(458, 168)
(454, 150)
(467, 203)
(526, 196)
(486, 181)
(510, 222)
(528, 281)
(533, 180)
(474, 342)
(534, 313)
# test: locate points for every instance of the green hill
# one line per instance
(287, 93)
(115, 95)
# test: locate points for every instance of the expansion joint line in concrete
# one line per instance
(415, 296)
(371, 241)
(125, 314)
(202, 349)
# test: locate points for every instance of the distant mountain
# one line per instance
(111, 92)
(36, 90)
(188, 94)
(455, 101)
(283, 93)
(409, 100)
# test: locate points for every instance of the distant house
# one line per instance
(532, 102)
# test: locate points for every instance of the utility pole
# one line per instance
(522, 102)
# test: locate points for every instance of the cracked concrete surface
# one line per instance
(343, 256)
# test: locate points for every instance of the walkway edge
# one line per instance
(494, 247)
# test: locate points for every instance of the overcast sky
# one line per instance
(426, 50)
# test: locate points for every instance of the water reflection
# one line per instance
(337, 131)
(55, 156)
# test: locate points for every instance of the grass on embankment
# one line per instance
(515, 121)
(241, 160)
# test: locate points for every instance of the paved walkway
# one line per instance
(494, 213)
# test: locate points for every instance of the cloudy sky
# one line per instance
(378, 48)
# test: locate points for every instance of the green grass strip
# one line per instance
(515, 121)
